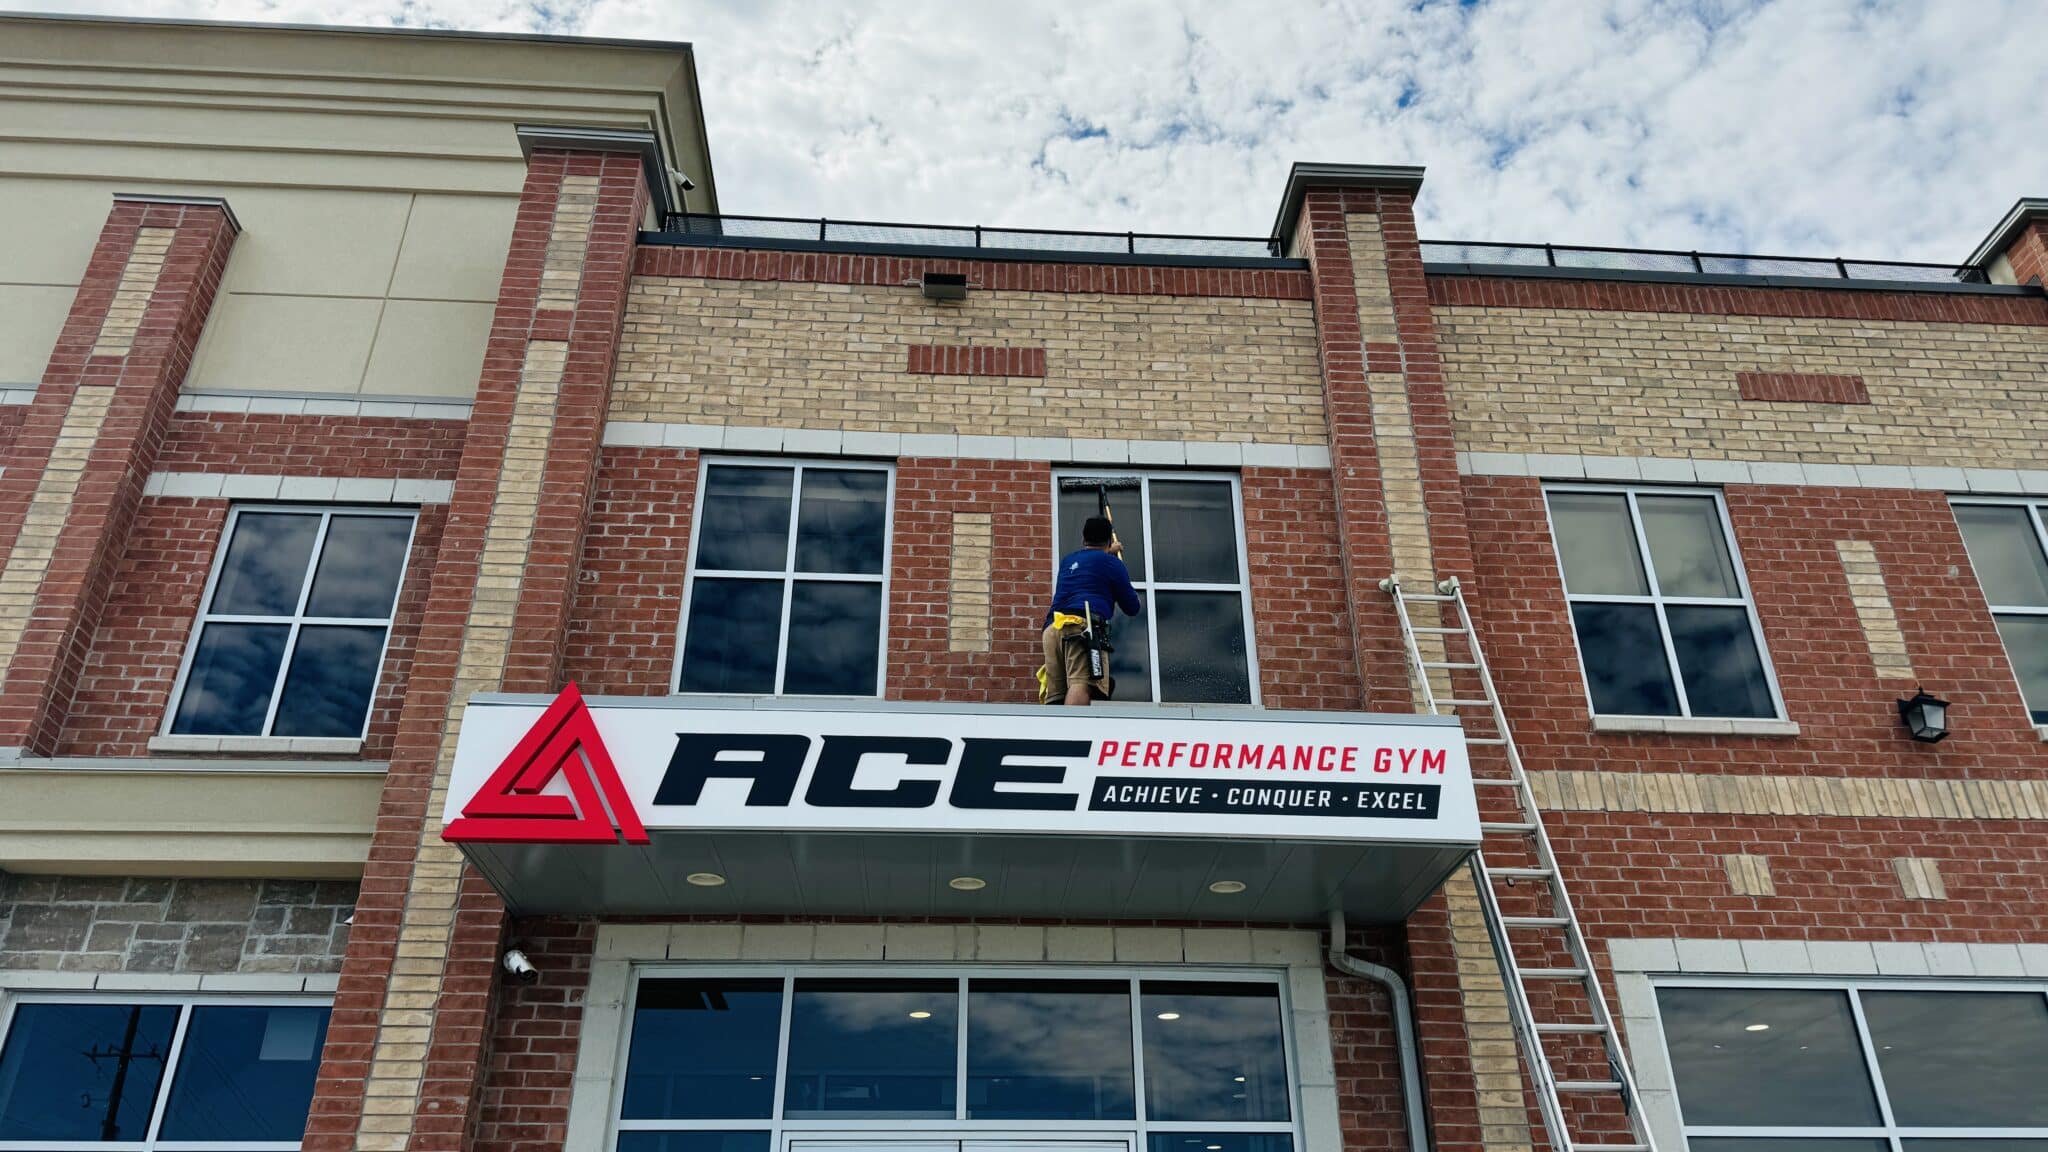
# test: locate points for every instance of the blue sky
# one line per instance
(1822, 127)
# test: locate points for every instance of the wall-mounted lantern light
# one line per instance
(1926, 716)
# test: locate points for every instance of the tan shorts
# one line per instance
(1066, 662)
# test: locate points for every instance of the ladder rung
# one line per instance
(1465, 703)
(1520, 873)
(1553, 973)
(1485, 740)
(1433, 630)
(1588, 1086)
(1534, 921)
(1487, 829)
(1496, 783)
(1578, 1147)
(1454, 664)
(1572, 1029)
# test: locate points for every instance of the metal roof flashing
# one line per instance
(2024, 211)
(1302, 177)
(645, 144)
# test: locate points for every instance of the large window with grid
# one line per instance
(293, 627)
(2008, 545)
(1859, 1066)
(1660, 607)
(789, 574)
(157, 1072)
(1183, 537)
(766, 1060)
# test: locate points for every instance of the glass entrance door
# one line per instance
(872, 1142)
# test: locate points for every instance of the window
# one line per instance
(2008, 545)
(788, 578)
(1184, 544)
(1859, 1067)
(1659, 604)
(292, 633)
(739, 1062)
(156, 1073)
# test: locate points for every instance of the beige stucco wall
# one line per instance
(833, 356)
(1663, 385)
(375, 177)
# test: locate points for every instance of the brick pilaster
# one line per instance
(1401, 511)
(406, 1046)
(2028, 253)
(74, 472)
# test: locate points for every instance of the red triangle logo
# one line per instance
(511, 809)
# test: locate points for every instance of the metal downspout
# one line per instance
(1404, 1027)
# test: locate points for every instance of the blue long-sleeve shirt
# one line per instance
(1097, 579)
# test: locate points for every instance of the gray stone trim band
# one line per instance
(1050, 449)
(323, 489)
(282, 404)
(1661, 470)
(17, 394)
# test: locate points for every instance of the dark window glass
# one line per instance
(327, 692)
(734, 628)
(73, 1072)
(745, 521)
(1213, 1051)
(2005, 554)
(227, 692)
(1124, 510)
(1687, 547)
(245, 1073)
(693, 1142)
(1717, 655)
(872, 1048)
(1597, 544)
(1201, 648)
(1624, 656)
(703, 1050)
(1964, 1144)
(1767, 1057)
(1962, 1059)
(1196, 529)
(1219, 1142)
(1790, 1144)
(1130, 658)
(835, 636)
(361, 564)
(840, 524)
(1049, 1050)
(265, 568)
(2026, 642)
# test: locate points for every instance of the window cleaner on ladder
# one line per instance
(1092, 584)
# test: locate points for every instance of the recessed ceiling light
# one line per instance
(1169, 1015)
(705, 879)
(1239, 1079)
(967, 883)
(1212, 1147)
(1227, 887)
(920, 1014)
(1757, 1028)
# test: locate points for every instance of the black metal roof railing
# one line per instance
(1128, 247)
(868, 232)
(1693, 263)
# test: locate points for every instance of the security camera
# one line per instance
(682, 181)
(519, 967)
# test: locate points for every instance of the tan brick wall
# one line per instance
(835, 356)
(969, 574)
(1684, 792)
(1881, 632)
(28, 561)
(1749, 875)
(1664, 384)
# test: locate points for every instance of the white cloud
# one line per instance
(1824, 127)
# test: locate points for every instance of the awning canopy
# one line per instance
(692, 806)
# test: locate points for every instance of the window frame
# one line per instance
(2037, 515)
(782, 1130)
(1146, 587)
(297, 621)
(788, 575)
(12, 1001)
(1891, 1132)
(1657, 600)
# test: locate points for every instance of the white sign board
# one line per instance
(597, 772)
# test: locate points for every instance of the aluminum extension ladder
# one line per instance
(1550, 927)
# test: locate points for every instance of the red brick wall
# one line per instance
(1802, 388)
(636, 552)
(525, 1105)
(11, 416)
(893, 272)
(1713, 300)
(1848, 717)
(1306, 658)
(312, 445)
(124, 687)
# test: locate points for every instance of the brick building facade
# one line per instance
(1713, 525)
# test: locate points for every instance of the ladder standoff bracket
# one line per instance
(1388, 584)
(1448, 586)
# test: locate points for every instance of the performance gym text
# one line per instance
(1270, 757)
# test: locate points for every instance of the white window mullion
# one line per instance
(163, 1089)
(1635, 523)
(1151, 591)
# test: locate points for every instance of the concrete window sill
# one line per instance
(1694, 726)
(302, 745)
(2041, 730)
